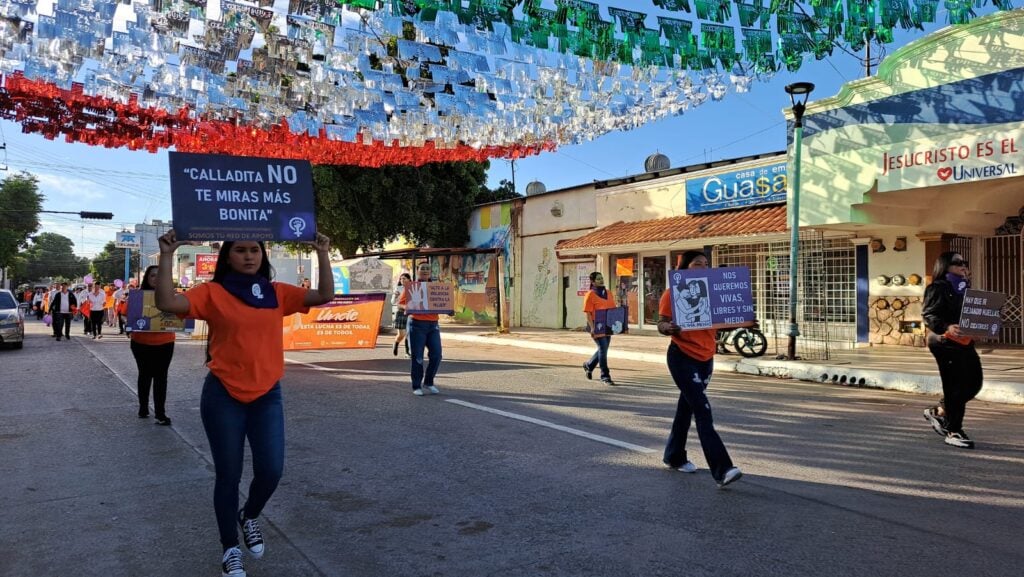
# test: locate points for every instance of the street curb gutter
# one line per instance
(993, 391)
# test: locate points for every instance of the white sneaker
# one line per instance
(418, 392)
(433, 390)
(231, 564)
(731, 475)
(688, 467)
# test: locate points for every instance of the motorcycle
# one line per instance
(747, 341)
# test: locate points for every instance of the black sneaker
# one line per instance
(163, 421)
(959, 439)
(938, 422)
(588, 371)
(608, 381)
(251, 535)
(231, 563)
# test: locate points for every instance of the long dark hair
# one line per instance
(224, 267)
(942, 265)
(145, 278)
(690, 256)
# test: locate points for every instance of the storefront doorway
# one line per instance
(655, 279)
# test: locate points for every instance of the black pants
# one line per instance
(62, 324)
(152, 362)
(692, 377)
(87, 323)
(960, 370)
(96, 319)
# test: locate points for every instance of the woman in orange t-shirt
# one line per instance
(241, 396)
(691, 359)
(598, 299)
(152, 351)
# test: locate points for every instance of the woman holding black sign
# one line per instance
(598, 299)
(241, 396)
(691, 361)
(959, 365)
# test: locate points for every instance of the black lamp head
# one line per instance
(801, 90)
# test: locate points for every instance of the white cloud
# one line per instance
(56, 187)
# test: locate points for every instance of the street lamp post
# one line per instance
(798, 92)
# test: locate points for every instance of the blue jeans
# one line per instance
(601, 356)
(692, 377)
(424, 335)
(228, 422)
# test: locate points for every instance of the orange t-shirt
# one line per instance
(246, 343)
(109, 304)
(152, 338)
(592, 302)
(404, 299)
(699, 344)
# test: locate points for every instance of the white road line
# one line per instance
(550, 425)
(312, 366)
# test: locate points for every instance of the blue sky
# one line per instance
(134, 185)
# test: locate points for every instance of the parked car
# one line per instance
(12, 321)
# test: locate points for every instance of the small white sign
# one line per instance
(127, 240)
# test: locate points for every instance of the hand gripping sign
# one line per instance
(218, 197)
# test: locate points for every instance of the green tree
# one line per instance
(366, 208)
(505, 191)
(51, 256)
(20, 203)
(108, 265)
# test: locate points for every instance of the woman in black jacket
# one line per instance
(959, 365)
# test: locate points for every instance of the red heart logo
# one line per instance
(945, 172)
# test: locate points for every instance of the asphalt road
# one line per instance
(521, 467)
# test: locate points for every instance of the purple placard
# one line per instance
(611, 321)
(711, 298)
(143, 316)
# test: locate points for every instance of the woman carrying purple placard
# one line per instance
(691, 361)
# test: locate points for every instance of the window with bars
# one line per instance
(827, 288)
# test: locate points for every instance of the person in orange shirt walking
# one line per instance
(598, 299)
(241, 396)
(691, 360)
(152, 351)
(424, 335)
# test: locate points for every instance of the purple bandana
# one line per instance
(960, 284)
(252, 289)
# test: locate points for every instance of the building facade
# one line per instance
(925, 157)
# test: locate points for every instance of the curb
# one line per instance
(993, 391)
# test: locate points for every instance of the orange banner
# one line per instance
(347, 322)
(624, 267)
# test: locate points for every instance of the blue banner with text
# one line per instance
(753, 186)
(217, 197)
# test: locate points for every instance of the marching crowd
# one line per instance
(92, 303)
(241, 396)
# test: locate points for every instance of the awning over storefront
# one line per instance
(659, 232)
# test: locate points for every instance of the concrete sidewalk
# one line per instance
(904, 369)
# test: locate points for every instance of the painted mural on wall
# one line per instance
(543, 282)
(476, 297)
(476, 301)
